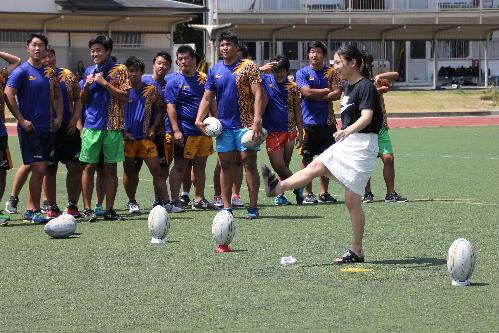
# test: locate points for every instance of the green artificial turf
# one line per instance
(109, 278)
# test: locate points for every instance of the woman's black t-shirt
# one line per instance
(359, 96)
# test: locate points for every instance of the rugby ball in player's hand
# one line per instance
(158, 223)
(248, 141)
(213, 126)
(62, 226)
(461, 260)
(223, 227)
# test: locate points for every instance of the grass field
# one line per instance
(108, 278)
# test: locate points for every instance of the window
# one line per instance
(290, 50)
(266, 50)
(251, 49)
(14, 37)
(418, 49)
(127, 40)
(456, 49)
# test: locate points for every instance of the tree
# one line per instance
(185, 35)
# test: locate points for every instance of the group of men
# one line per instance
(117, 114)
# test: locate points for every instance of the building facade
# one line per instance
(456, 39)
(140, 28)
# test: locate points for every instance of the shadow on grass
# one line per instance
(420, 262)
(478, 284)
(291, 217)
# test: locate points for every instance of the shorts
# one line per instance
(316, 139)
(164, 147)
(6, 161)
(194, 146)
(144, 148)
(67, 146)
(352, 160)
(109, 141)
(36, 146)
(384, 142)
(230, 140)
(277, 140)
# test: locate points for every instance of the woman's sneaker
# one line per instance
(111, 215)
(98, 210)
(185, 200)
(38, 217)
(327, 198)
(11, 205)
(252, 213)
(133, 207)
(89, 215)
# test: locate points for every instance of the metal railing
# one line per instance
(228, 6)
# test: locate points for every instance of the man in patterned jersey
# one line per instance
(240, 98)
(319, 85)
(162, 62)
(68, 141)
(283, 121)
(183, 94)
(140, 130)
(382, 84)
(105, 91)
(5, 159)
(38, 110)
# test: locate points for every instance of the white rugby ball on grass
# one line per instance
(158, 223)
(223, 228)
(213, 126)
(461, 261)
(62, 226)
(248, 141)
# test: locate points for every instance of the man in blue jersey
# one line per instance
(5, 159)
(319, 85)
(163, 139)
(140, 130)
(38, 110)
(183, 94)
(283, 121)
(237, 85)
(104, 93)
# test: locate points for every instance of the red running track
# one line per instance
(403, 122)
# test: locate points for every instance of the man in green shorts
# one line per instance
(105, 90)
(382, 83)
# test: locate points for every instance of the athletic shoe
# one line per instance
(310, 199)
(223, 248)
(4, 219)
(298, 195)
(11, 205)
(28, 215)
(156, 202)
(368, 197)
(89, 215)
(174, 207)
(111, 215)
(133, 207)
(203, 204)
(185, 200)
(394, 197)
(38, 217)
(281, 200)
(327, 198)
(98, 211)
(252, 213)
(45, 208)
(72, 209)
(217, 201)
(53, 212)
(236, 201)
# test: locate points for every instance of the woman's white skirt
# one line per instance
(352, 160)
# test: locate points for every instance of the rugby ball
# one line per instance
(248, 141)
(461, 260)
(62, 226)
(223, 227)
(213, 126)
(158, 223)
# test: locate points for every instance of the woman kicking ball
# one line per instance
(352, 159)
